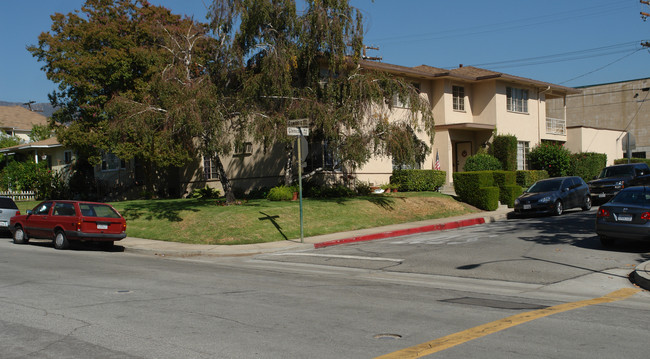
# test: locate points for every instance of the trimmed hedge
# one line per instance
(469, 186)
(526, 178)
(504, 148)
(482, 162)
(418, 180)
(622, 161)
(508, 188)
(587, 165)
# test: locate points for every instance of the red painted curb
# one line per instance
(402, 232)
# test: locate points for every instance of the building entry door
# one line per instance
(463, 150)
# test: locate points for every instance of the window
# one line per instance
(110, 162)
(64, 209)
(245, 148)
(67, 157)
(210, 168)
(517, 99)
(459, 97)
(522, 155)
(43, 209)
(404, 102)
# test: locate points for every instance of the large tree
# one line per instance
(108, 49)
(308, 66)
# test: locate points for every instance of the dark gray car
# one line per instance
(553, 196)
(627, 216)
(8, 209)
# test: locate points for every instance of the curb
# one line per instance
(402, 232)
(642, 275)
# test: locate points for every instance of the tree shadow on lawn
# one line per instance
(167, 210)
(384, 202)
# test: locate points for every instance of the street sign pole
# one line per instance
(302, 238)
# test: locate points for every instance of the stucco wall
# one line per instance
(586, 139)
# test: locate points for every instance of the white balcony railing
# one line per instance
(555, 126)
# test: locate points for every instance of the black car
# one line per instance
(554, 195)
(614, 178)
(627, 216)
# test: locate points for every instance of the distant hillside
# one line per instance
(44, 108)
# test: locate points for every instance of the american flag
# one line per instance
(436, 165)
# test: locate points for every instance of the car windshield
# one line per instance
(545, 186)
(97, 210)
(632, 197)
(616, 172)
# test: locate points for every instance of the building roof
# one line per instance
(20, 118)
(466, 73)
(51, 142)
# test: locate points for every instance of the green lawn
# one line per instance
(255, 221)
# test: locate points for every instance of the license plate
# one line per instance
(4, 224)
(602, 195)
(527, 206)
(624, 218)
(102, 226)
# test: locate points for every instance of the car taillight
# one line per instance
(124, 227)
(78, 226)
(603, 212)
(645, 215)
(17, 213)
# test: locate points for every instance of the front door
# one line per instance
(463, 150)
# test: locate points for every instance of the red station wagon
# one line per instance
(65, 221)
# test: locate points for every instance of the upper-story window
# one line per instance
(517, 99)
(404, 102)
(459, 97)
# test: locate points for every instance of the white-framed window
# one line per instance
(458, 93)
(110, 162)
(522, 155)
(210, 168)
(67, 157)
(517, 99)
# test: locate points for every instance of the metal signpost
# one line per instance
(300, 129)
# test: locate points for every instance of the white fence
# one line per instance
(19, 196)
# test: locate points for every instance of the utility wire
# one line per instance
(602, 67)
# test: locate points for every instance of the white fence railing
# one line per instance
(19, 196)
(555, 126)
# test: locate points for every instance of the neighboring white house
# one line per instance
(18, 121)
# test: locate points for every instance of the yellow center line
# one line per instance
(452, 340)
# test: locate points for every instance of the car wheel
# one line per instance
(587, 205)
(60, 241)
(558, 209)
(606, 241)
(19, 236)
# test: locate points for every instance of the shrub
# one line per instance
(323, 191)
(488, 198)
(587, 164)
(363, 188)
(622, 161)
(526, 179)
(508, 189)
(468, 184)
(29, 176)
(280, 193)
(553, 158)
(504, 148)
(482, 162)
(418, 180)
(205, 193)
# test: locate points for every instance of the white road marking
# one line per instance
(340, 256)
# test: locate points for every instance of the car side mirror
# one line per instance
(566, 189)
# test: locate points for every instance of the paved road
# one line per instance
(93, 304)
(540, 250)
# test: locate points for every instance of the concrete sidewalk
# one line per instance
(641, 274)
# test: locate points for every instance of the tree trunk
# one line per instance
(225, 183)
(288, 168)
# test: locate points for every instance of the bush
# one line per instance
(526, 179)
(622, 161)
(469, 185)
(587, 164)
(553, 158)
(504, 148)
(363, 188)
(418, 180)
(280, 193)
(482, 162)
(205, 193)
(488, 198)
(508, 189)
(323, 191)
(29, 176)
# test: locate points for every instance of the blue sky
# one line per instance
(572, 43)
